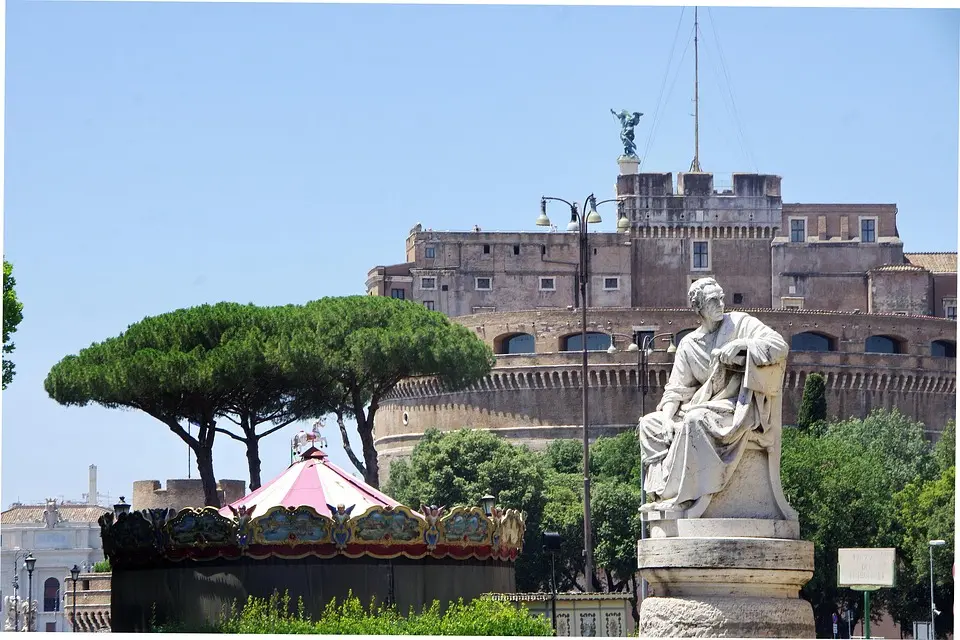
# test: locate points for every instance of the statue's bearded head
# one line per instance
(706, 298)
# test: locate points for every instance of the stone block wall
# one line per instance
(181, 494)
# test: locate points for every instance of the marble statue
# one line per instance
(51, 514)
(627, 122)
(722, 395)
(10, 606)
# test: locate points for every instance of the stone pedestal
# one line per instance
(629, 165)
(720, 582)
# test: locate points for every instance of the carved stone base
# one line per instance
(725, 586)
(730, 617)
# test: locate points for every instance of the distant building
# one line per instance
(60, 535)
(833, 279)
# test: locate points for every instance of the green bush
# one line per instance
(101, 567)
(482, 617)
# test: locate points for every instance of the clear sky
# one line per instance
(160, 156)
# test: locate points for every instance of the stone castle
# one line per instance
(833, 279)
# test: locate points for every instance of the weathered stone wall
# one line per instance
(535, 398)
(901, 289)
(182, 494)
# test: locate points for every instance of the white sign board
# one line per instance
(866, 568)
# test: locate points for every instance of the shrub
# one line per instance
(482, 617)
(101, 567)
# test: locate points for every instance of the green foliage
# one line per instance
(103, 566)
(347, 353)
(813, 405)
(945, 451)
(12, 316)
(481, 617)
(458, 467)
(896, 440)
(187, 365)
(841, 490)
(925, 511)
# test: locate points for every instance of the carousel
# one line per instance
(315, 532)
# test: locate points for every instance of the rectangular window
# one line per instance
(950, 308)
(396, 293)
(548, 284)
(486, 248)
(516, 249)
(484, 284)
(428, 304)
(798, 230)
(430, 252)
(701, 255)
(868, 229)
(791, 303)
(738, 298)
(611, 284)
(428, 283)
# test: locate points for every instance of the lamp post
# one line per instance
(16, 603)
(551, 542)
(75, 574)
(644, 351)
(578, 223)
(121, 508)
(933, 609)
(29, 562)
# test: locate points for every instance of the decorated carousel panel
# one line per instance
(314, 531)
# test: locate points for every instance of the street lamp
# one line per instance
(75, 573)
(551, 542)
(29, 562)
(578, 223)
(488, 501)
(121, 507)
(933, 609)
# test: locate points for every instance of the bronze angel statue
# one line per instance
(628, 121)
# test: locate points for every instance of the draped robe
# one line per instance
(722, 409)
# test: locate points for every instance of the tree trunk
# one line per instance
(205, 467)
(253, 461)
(372, 474)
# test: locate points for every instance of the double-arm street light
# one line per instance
(644, 351)
(933, 609)
(578, 223)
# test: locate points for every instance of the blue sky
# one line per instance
(160, 156)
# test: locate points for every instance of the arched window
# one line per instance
(810, 341)
(515, 343)
(943, 349)
(596, 341)
(883, 344)
(51, 595)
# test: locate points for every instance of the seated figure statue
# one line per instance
(722, 395)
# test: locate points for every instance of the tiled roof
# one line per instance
(899, 267)
(943, 262)
(33, 513)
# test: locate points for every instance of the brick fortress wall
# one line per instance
(535, 398)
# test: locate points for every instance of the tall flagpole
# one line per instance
(695, 165)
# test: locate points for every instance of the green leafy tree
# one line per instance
(813, 405)
(459, 467)
(841, 490)
(346, 354)
(945, 451)
(925, 511)
(12, 316)
(896, 440)
(190, 366)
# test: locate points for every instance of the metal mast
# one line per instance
(695, 165)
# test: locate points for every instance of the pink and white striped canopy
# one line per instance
(316, 482)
